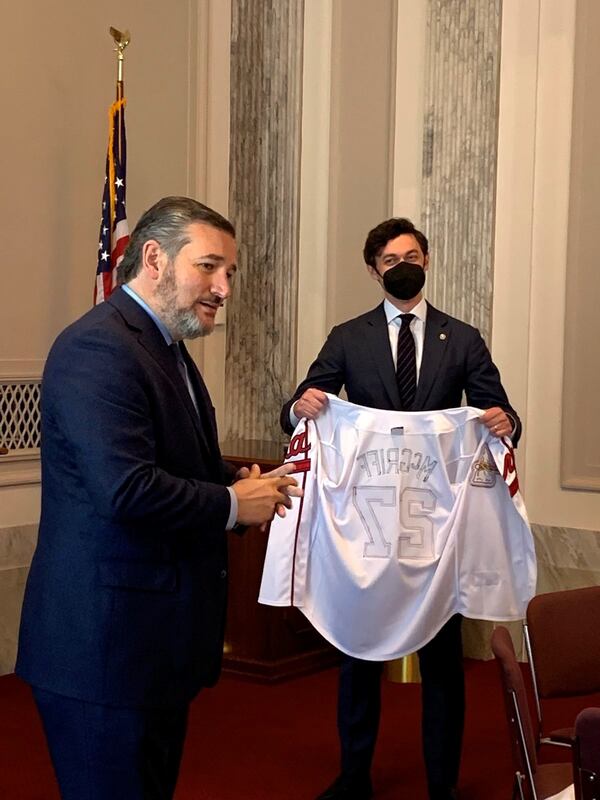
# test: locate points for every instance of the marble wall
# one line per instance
(459, 155)
(266, 71)
(460, 128)
(568, 558)
(17, 544)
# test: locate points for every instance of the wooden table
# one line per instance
(263, 642)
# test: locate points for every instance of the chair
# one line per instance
(533, 781)
(587, 753)
(563, 648)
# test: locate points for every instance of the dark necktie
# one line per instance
(406, 363)
(201, 401)
(182, 366)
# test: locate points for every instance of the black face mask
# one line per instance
(404, 280)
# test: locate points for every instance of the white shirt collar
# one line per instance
(391, 312)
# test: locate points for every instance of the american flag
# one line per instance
(114, 231)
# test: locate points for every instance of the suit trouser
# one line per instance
(443, 702)
(105, 753)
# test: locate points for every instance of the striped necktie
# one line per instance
(406, 363)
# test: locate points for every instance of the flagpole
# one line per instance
(121, 40)
(114, 230)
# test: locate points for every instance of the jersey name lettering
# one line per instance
(395, 460)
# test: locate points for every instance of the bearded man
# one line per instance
(124, 609)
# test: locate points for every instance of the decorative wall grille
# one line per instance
(20, 415)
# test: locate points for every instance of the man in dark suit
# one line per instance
(403, 355)
(124, 609)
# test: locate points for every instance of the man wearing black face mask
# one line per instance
(404, 355)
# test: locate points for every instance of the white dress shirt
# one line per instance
(392, 315)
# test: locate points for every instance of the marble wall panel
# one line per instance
(12, 588)
(568, 558)
(459, 155)
(477, 634)
(17, 544)
(16, 550)
(458, 181)
(266, 73)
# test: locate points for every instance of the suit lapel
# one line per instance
(199, 418)
(153, 342)
(205, 408)
(378, 341)
(435, 346)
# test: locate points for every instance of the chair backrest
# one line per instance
(563, 633)
(517, 712)
(587, 732)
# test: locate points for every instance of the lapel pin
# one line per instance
(442, 336)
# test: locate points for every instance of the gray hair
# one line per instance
(167, 222)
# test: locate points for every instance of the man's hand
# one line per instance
(498, 422)
(291, 491)
(259, 495)
(310, 404)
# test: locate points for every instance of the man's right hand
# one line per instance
(310, 404)
(258, 497)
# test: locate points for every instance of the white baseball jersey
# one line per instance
(407, 518)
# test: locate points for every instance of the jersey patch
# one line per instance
(484, 470)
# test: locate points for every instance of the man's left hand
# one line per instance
(278, 472)
(497, 421)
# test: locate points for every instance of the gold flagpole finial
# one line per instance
(121, 39)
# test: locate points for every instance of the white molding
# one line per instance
(218, 93)
(198, 97)
(195, 104)
(196, 117)
(313, 236)
(211, 179)
(515, 187)
(410, 65)
(580, 444)
(20, 470)
(532, 220)
(21, 370)
(579, 482)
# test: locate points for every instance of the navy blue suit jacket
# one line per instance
(125, 600)
(455, 361)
